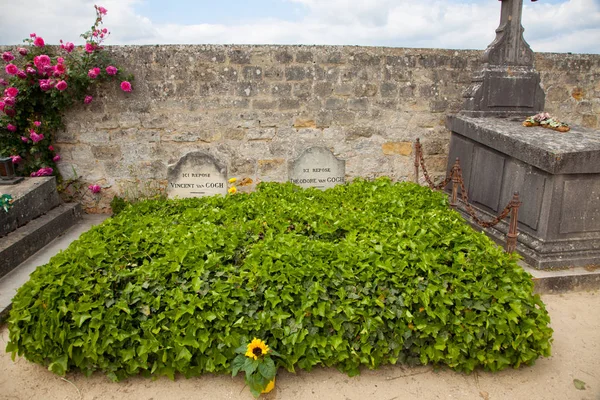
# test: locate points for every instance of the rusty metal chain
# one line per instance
(457, 171)
(433, 186)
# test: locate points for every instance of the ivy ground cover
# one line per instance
(364, 274)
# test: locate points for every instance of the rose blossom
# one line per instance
(111, 70)
(38, 42)
(22, 51)
(3, 82)
(102, 10)
(24, 139)
(88, 99)
(41, 61)
(45, 85)
(10, 112)
(22, 75)
(89, 47)
(32, 35)
(56, 158)
(30, 70)
(60, 60)
(2, 105)
(94, 72)
(7, 56)
(68, 47)
(35, 137)
(16, 159)
(126, 86)
(37, 123)
(11, 91)
(61, 85)
(51, 148)
(11, 127)
(104, 30)
(43, 172)
(11, 69)
(95, 188)
(9, 101)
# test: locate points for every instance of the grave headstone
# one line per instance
(317, 167)
(196, 175)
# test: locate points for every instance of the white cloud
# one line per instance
(571, 26)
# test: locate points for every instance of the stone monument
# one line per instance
(556, 174)
(196, 175)
(317, 167)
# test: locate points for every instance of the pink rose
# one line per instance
(43, 172)
(11, 69)
(37, 123)
(11, 91)
(2, 105)
(3, 82)
(30, 70)
(61, 85)
(22, 75)
(68, 47)
(104, 30)
(16, 159)
(10, 112)
(60, 60)
(35, 137)
(56, 158)
(94, 72)
(95, 188)
(11, 128)
(88, 99)
(45, 85)
(24, 139)
(32, 35)
(102, 10)
(89, 47)
(22, 51)
(38, 42)
(51, 148)
(41, 61)
(9, 101)
(111, 70)
(7, 56)
(126, 86)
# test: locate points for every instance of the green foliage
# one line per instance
(6, 202)
(364, 274)
(118, 204)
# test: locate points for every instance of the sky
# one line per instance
(550, 25)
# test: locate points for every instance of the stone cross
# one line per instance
(509, 47)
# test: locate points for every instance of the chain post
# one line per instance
(511, 237)
(417, 157)
(455, 182)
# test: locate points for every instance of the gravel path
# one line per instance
(576, 355)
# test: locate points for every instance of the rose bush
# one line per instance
(41, 83)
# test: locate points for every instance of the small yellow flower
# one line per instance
(256, 348)
(232, 190)
(232, 180)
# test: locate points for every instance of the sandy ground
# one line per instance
(576, 355)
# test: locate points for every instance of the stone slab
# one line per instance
(32, 198)
(317, 167)
(196, 175)
(20, 244)
(573, 152)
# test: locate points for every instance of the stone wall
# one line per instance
(256, 108)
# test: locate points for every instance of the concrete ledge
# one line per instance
(565, 280)
(32, 197)
(19, 245)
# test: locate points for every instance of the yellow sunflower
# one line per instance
(256, 348)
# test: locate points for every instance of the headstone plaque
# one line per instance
(317, 167)
(196, 175)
